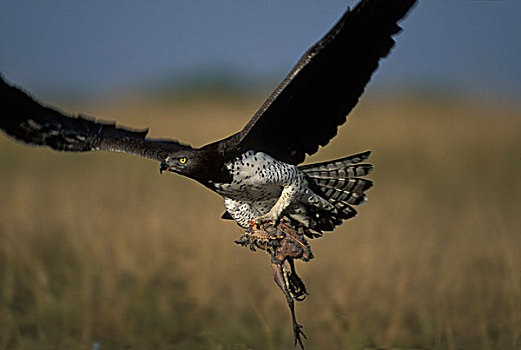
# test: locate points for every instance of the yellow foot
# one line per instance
(266, 237)
(263, 220)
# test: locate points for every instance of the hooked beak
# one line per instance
(164, 167)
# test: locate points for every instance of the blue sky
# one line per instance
(96, 47)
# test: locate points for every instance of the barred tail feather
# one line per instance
(351, 185)
(344, 173)
(321, 220)
(338, 182)
(334, 195)
(345, 210)
(337, 164)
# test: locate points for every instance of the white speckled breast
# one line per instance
(251, 174)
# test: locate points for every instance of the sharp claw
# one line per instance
(263, 220)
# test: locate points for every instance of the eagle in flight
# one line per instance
(256, 170)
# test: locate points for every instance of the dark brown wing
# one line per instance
(306, 109)
(26, 120)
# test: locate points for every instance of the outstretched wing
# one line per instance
(306, 109)
(28, 121)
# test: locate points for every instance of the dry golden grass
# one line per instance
(100, 248)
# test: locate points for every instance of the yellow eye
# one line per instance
(182, 160)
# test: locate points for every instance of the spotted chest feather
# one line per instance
(256, 177)
(259, 185)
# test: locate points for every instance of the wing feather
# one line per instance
(26, 120)
(306, 109)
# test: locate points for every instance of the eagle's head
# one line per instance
(193, 163)
(185, 162)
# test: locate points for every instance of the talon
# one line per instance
(265, 219)
(260, 221)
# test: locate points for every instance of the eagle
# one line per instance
(257, 170)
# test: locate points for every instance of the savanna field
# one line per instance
(100, 251)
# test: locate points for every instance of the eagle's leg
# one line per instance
(278, 276)
(287, 195)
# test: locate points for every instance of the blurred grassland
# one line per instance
(99, 248)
